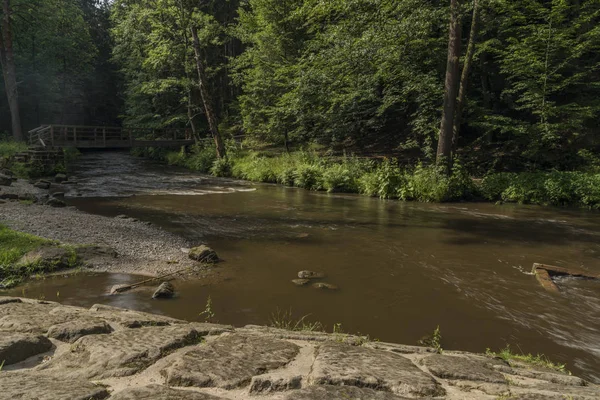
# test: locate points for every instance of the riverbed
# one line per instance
(402, 269)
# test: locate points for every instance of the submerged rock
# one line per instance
(203, 254)
(300, 282)
(323, 285)
(310, 275)
(164, 291)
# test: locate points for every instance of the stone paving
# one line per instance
(53, 352)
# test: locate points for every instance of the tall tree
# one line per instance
(9, 70)
(207, 98)
(464, 78)
(451, 86)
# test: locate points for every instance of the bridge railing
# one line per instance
(102, 136)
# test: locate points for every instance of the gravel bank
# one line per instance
(141, 248)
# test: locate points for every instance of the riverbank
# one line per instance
(119, 244)
(386, 179)
(54, 351)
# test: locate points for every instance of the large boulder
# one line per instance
(164, 291)
(203, 254)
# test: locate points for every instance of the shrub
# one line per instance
(340, 178)
(309, 176)
(428, 184)
(492, 186)
(221, 167)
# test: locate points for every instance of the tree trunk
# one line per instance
(7, 60)
(464, 79)
(206, 98)
(444, 149)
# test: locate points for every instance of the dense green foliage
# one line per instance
(366, 76)
(62, 50)
(363, 77)
(386, 180)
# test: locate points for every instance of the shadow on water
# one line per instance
(402, 268)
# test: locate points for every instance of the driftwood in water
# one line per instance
(544, 274)
(116, 289)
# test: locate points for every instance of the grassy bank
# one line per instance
(15, 266)
(9, 148)
(385, 179)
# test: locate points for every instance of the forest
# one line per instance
(429, 100)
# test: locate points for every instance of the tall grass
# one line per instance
(387, 180)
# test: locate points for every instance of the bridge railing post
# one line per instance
(52, 135)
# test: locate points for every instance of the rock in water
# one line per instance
(310, 275)
(5, 180)
(164, 291)
(203, 254)
(54, 202)
(300, 282)
(60, 178)
(42, 185)
(323, 285)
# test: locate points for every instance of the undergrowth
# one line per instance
(386, 179)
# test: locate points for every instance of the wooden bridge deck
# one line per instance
(103, 137)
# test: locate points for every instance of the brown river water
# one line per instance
(402, 268)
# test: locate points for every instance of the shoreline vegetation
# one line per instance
(386, 179)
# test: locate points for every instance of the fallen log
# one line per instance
(544, 274)
(116, 289)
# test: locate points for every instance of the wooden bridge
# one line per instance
(104, 137)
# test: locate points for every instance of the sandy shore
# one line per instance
(140, 248)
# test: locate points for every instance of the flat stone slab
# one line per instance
(343, 365)
(32, 385)
(71, 331)
(229, 362)
(29, 317)
(121, 353)
(459, 367)
(16, 347)
(131, 318)
(328, 392)
(159, 392)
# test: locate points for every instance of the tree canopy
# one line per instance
(363, 76)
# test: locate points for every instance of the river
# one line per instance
(402, 268)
